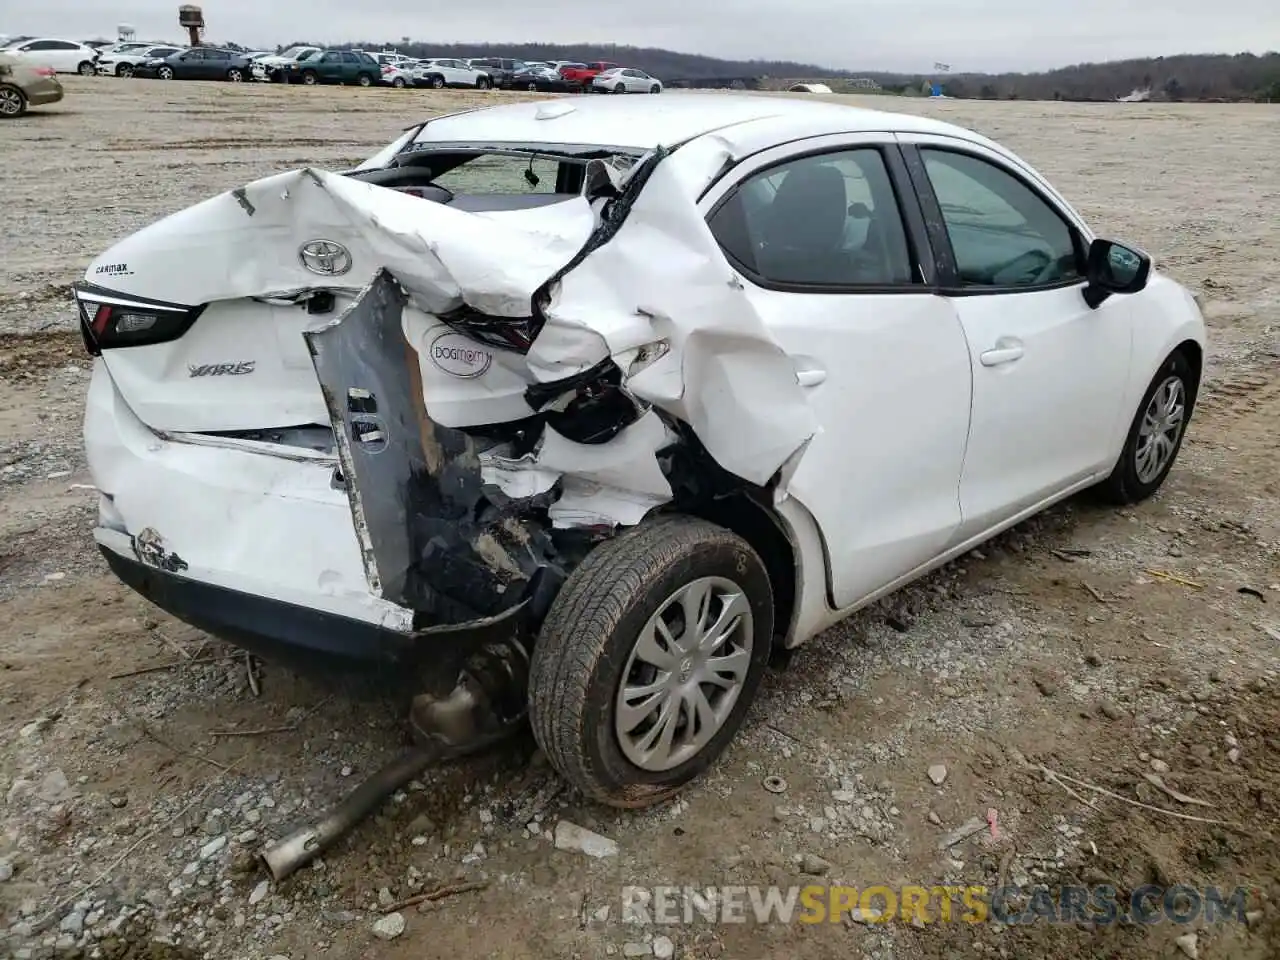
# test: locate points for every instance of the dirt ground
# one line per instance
(1103, 646)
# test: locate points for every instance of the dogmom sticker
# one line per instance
(459, 356)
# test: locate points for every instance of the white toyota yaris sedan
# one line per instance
(637, 390)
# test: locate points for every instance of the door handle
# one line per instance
(1006, 350)
(809, 372)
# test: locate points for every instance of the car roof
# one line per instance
(641, 123)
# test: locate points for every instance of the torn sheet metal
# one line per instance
(602, 485)
(432, 538)
(662, 282)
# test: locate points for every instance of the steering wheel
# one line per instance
(1027, 268)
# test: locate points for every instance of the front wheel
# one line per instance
(86, 69)
(484, 83)
(125, 70)
(437, 83)
(649, 658)
(398, 82)
(655, 89)
(532, 87)
(235, 76)
(165, 73)
(310, 78)
(1155, 436)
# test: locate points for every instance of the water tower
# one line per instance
(191, 19)
(125, 32)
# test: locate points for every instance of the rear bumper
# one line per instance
(273, 629)
(43, 92)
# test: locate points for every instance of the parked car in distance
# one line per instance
(580, 75)
(672, 512)
(123, 64)
(65, 56)
(398, 75)
(24, 84)
(99, 44)
(501, 70)
(269, 67)
(334, 66)
(197, 63)
(540, 77)
(625, 80)
(449, 72)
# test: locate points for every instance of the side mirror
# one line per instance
(1112, 267)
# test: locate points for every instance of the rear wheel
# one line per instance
(235, 75)
(364, 80)
(437, 82)
(649, 659)
(124, 70)
(531, 86)
(620, 88)
(13, 103)
(1155, 436)
(87, 69)
(398, 82)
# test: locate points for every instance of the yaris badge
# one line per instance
(325, 257)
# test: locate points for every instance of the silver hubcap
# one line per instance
(1161, 426)
(10, 103)
(684, 674)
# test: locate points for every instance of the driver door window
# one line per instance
(1003, 233)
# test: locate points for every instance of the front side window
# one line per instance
(1003, 233)
(826, 220)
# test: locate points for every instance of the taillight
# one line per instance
(46, 72)
(110, 320)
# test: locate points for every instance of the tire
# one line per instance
(165, 73)
(398, 82)
(587, 646)
(655, 89)
(309, 78)
(620, 88)
(532, 87)
(87, 69)
(364, 80)
(437, 83)
(484, 83)
(13, 102)
(125, 70)
(1175, 381)
(235, 75)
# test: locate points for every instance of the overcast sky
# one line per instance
(910, 35)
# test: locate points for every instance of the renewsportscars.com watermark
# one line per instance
(815, 904)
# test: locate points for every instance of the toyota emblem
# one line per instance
(325, 257)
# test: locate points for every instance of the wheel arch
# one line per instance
(744, 514)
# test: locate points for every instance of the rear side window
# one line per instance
(1003, 233)
(824, 220)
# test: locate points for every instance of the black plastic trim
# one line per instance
(272, 628)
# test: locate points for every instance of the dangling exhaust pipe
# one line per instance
(487, 704)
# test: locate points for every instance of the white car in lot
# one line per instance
(267, 67)
(121, 63)
(625, 80)
(65, 56)
(448, 72)
(739, 367)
